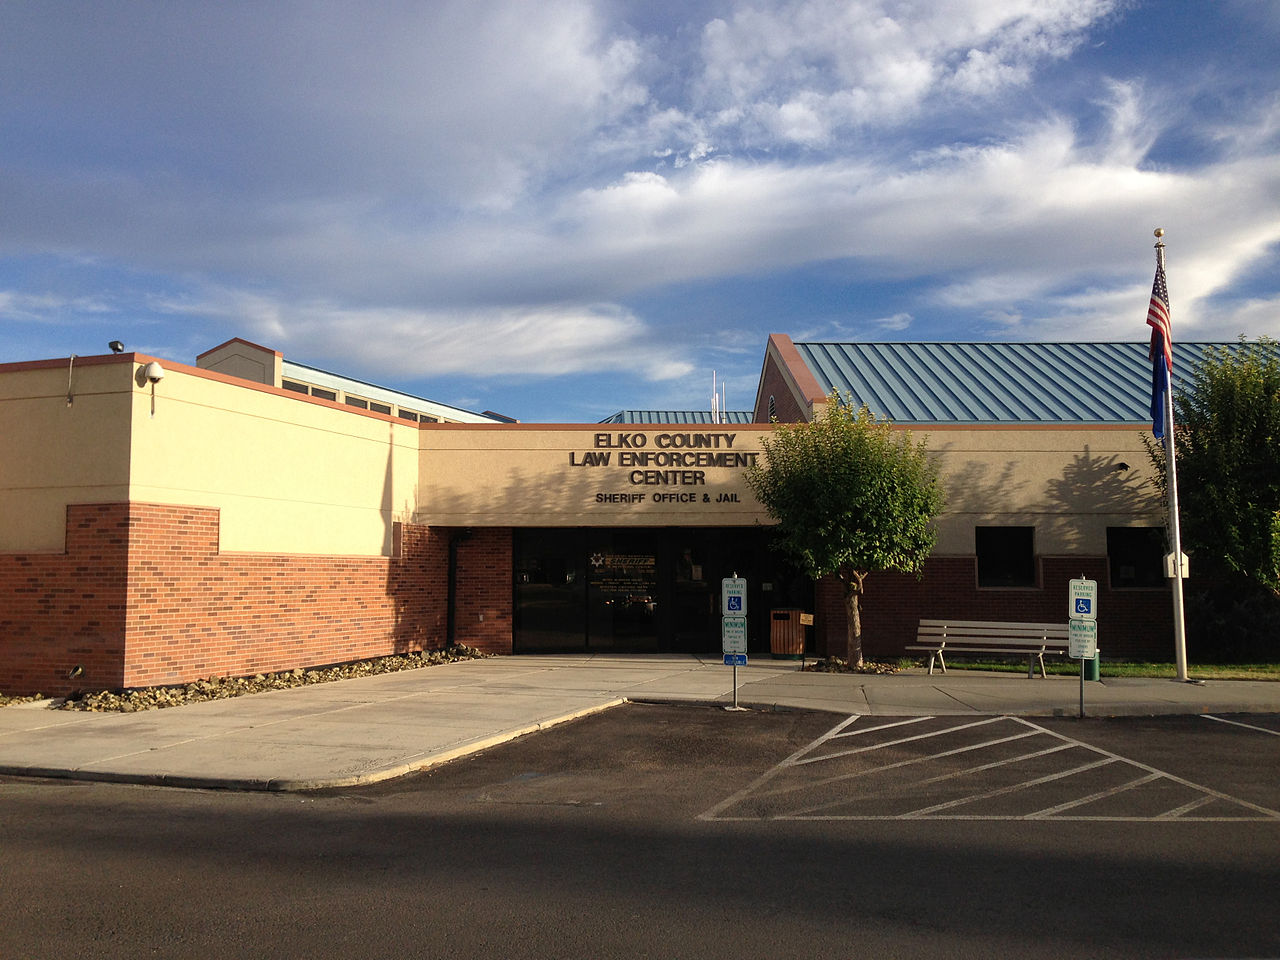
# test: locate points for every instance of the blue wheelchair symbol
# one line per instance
(1082, 604)
(735, 603)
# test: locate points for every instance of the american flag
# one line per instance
(1161, 351)
(1158, 320)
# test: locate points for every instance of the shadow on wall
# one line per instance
(977, 486)
(417, 568)
(1089, 485)
(1102, 485)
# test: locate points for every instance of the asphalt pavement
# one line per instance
(375, 728)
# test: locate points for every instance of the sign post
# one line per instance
(733, 627)
(1082, 629)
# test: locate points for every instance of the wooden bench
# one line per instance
(1032, 640)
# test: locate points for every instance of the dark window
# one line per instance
(323, 394)
(1006, 556)
(379, 407)
(295, 387)
(356, 402)
(426, 419)
(408, 415)
(773, 408)
(1136, 556)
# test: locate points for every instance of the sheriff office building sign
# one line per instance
(562, 475)
(676, 459)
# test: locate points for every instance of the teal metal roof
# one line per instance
(677, 416)
(998, 382)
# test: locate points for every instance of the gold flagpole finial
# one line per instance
(1159, 235)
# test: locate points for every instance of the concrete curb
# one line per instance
(370, 729)
(305, 784)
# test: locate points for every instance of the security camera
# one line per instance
(116, 346)
(153, 372)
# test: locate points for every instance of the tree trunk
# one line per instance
(852, 583)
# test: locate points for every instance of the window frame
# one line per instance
(1154, 579)
(986, 532)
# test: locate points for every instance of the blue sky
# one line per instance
(561, 209)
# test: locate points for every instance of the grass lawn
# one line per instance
(1128, 668)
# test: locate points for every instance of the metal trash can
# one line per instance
(786, 634)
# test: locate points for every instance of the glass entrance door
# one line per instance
(624, 602)
(643, 590)
(550, 591)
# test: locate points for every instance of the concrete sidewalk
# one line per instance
(375, 728)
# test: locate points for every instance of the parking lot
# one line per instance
(993, 768)
(687, 831)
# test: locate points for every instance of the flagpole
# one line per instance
(1175, 529)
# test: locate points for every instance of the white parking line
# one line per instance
(1237, 723)
(980, 768)
(1001, 791)
(904, 763)
(1048, 812)
(1168, 776)
(769, 774)
(894, 743)
(797, 787)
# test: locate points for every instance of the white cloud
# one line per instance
(897, 322)
(514, 342)
(50, 308)
(479, 187)
(805, 69)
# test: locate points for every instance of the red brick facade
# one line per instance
(483, 593)
(143, 597)
(1134, 624)
(783, 377)
(785, 407)
(58, 611)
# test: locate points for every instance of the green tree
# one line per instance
(1227, 442)
(852, 496)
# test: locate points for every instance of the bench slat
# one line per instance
(993, 623)
(961, 628)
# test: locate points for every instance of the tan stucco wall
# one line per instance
(248, 361)
(534, 476)
(289, 475)
(53, 452)
(1067, 482)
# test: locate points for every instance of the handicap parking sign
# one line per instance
(734, 593)
(1084, 599)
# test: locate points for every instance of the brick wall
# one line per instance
(60, 611)
(773, 383)
(1134, 624)
(194, 612)
(143, 597)
(483, 590)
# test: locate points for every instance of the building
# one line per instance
(1041, 453)
(164, 522)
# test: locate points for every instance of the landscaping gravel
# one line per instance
(836, 665)
(220, 688)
